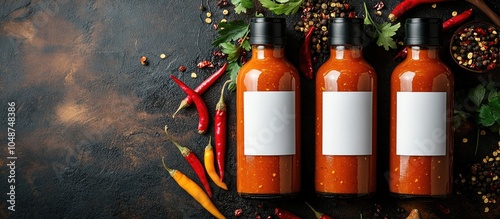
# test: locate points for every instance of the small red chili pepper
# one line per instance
(205, 64)
(306, 65)
(454, 21)
(406, 5)
(319, 215)
(194, 162)
(401, 54)
(284, 214)
(202, 88)
(200, 105)
(220, 132)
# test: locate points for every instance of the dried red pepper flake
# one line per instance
(238, 212)
(222, 3)
(144, 60)
(379, 6)
(205, 64)
(443, 209)
(182, 68)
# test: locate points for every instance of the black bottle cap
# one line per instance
(346, 31)
(267, 30)
(423, 31)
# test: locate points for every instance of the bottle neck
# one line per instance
(423, 52)
(346, 52)
(268, 51)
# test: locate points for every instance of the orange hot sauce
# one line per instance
(345, 167)
(421, 140)
(268, 117)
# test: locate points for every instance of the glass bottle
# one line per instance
(345, 116)
(421, 140)
(268, 116)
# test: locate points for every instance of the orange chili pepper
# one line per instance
(194, 190)
(209, 165)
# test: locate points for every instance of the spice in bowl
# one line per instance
(476, 47)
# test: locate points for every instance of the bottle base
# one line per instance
(416, 196)
(268, 196)
(344, 195)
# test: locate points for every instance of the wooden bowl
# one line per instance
(475, 47)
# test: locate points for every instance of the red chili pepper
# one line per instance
(194, 162)
(454, 21)
(401, 54)
(200, 105)
(202, 88)
(406, 5)
(306, 65)
(220, 133)
(284, 214)
(319, 215)
(205, 64)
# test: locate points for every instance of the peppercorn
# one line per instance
(476, 47)
(317, 14)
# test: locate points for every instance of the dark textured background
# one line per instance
(89, 117)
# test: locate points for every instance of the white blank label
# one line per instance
(269, 123)
(421, 124)
(347, 123)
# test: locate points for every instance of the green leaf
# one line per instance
(486, 117)
(232, 69)
(231, 31)
(246, 45)
(242, 5)
(492, 95)
(286, 7)
(232, 51)
(476, 95)
(384, 31)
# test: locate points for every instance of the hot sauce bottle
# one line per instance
(421, 116)
(345, 116)
(267, 115)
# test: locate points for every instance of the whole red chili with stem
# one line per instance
(194, 162)
(200, 105)
(306, 64)
(406, 5)
(284, 214)
(448, 24)
(319, 215)
(220, 132)
(202, 88)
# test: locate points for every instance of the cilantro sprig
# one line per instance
(383, 32)
(280, 7)
(232, 39)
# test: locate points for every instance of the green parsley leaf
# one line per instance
(242, 5)
(233, 68)
(476, 95)
(383, 31)
(279, 7)
(232, 51)
(486, 117)
(231, 31)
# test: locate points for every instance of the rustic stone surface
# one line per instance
(90, 117)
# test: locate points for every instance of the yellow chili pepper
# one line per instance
(194, 190)
(208, 159)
